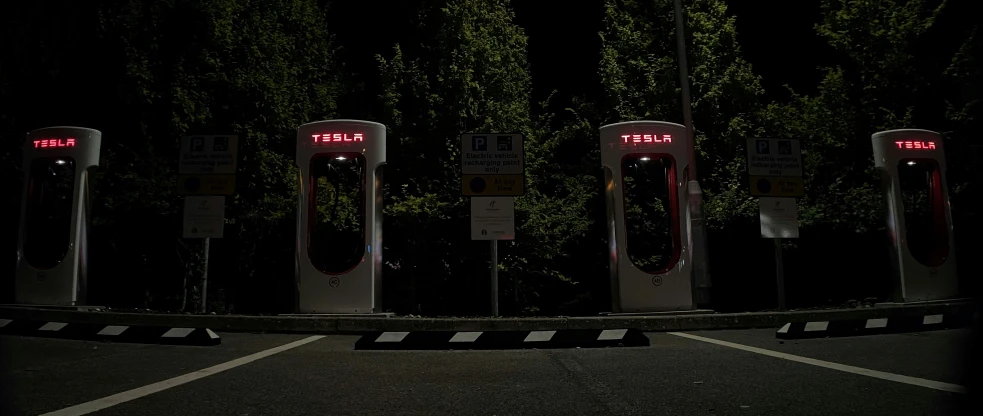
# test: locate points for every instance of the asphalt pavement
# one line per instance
(733, 372)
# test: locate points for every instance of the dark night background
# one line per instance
(134, 71)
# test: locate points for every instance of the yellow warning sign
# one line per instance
(206, 184)
(492, 185)
(777, 186)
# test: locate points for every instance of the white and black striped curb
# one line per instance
(117, 333)
(493, 340)
(873, 326)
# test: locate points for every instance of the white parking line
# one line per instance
(99, 404)
(914, 381)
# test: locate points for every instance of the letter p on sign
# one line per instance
(479, 143)
(763, 147)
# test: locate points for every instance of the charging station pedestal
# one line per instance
(912, 166)
(645, 171)
(339, 221)
(54, 220)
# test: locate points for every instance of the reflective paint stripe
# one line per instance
(465, 337)
(816, 326)
(106, 402)
(784, 329)
(932, 319)
(177, 333)
(391, 336)
(211, 334)
(914, 381)
(4, 322)
(612, 334)
(52, 326)
(876, 323)
(539, 336)
(112, 330)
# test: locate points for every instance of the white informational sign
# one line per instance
(774, 157)
(492, 154)
(493, 218)
(204, 216)
(779, 218)
(208, 155)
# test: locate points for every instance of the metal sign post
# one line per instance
(493, 218)
(701, 263)
(204, 279)
(775, 174)
(780, 273)
(494, 277)
(206, 166)
(493, 172)
(204, 217)
(779, 219)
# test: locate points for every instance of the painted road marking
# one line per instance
(52, 326)
(465, 337)
(539, 336)
(876, 323)
(113, 330)
(392, 336)
(105, 402)
(177, 332)
(816, 326)
(612, 334)
(914, 381)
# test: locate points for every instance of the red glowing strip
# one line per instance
(338, 137)
(646, 138)
(908, 144)
(46, 143)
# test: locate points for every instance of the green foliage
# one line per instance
(639, 71)
(222, 66)
(259, 69)
(466, 72)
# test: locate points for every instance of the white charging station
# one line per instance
(339, 221)
(54, 220)
(645, 169)
(912, 163)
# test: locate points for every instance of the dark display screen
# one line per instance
(651, 213)
(337, 239)
(48, 216)
(922, 196)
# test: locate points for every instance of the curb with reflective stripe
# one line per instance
(115, 333)
(492, 340)
(854, 327)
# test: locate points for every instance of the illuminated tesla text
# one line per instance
(908, 144)
(338, 138)
(646, 138)
(46, 143)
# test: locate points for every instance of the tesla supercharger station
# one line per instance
(912, 163)
(648, 226)
(339, 221)
(54, 221)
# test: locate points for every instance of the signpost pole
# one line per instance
(701, 267)
(494, 277)
(780, 273)
(493, 174)
(204, 279)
